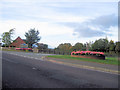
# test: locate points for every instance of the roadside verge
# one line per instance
(85, 65)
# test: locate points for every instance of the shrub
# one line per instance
(94, 54)
(73, 53)
(76, 54)
(97, 54)
(83, 54)
(86, 53)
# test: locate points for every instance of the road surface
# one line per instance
(29, 70)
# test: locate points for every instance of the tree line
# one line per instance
(100, 45)
(32, 37)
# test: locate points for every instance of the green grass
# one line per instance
(108, 60)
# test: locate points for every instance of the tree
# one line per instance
(111, 45)
(32, 37)
(100, 45)
(7, 37)
(117, 47)
(77, 46)
(64, 47)
(42, 46)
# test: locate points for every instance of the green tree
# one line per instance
(111, 45)
(42, 46)
(64, 47)
(117, 46)
(7, 37)
(100, 45)
(78, 46)
(32, 37)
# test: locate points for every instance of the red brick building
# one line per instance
(17, 42)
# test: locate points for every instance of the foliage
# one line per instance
(32, 37)
(111, 46)
(100, 45)
(77, 46)
(6, 37)
(42, 46)
(86, 53)
(64, 47)
(117, 48)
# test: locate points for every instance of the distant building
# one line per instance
(18, 43)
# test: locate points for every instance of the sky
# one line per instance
(61, 21)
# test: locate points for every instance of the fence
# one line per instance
(52, 51)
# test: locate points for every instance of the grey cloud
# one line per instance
(105, 21)
(84, 31)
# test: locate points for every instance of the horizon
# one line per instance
(61, 22)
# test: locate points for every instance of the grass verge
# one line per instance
(108, 60)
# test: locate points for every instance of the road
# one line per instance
(23, 70)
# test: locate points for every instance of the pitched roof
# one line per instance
(17, 42)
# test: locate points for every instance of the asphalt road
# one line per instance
(20, 71)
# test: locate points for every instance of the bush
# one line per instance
(94, 54)
(86, 53)
(76, 54)
(97, 54)
(73, 53)
(83, 54)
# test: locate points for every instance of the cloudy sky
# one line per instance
(61, 21)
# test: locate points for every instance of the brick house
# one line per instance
(17, 42)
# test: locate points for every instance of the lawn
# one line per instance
(108, 60)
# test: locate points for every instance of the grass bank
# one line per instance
(108, 60)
